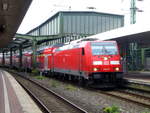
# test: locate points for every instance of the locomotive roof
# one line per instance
(69, 45)
(79, 44)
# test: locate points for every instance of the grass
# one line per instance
(138, 86)
(70, 87)
(40, 77)
(146, 111)
(55, 84)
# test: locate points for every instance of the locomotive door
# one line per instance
(81, 60)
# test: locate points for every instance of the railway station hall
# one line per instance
(60, 56)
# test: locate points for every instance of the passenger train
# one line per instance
(91, 61)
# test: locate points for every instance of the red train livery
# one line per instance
(89, 60)
(83, 60)
(45, 58)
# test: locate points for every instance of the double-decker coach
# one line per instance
(45, 59)
(27, 60)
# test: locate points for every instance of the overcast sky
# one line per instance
(41, 10)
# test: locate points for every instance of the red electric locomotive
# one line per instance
(94, 61)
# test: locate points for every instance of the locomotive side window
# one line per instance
(104, 48)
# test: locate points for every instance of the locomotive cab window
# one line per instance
(104, 48)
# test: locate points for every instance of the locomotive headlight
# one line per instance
(117, 69)
(95, 69)
(105, 58)
(114, 62)
(97, 62)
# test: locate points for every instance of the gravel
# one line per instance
(89, 100)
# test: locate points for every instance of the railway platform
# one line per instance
(13, 98)
(138, 77)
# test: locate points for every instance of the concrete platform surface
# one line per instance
(13, 98)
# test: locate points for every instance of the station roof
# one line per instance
(27, 41)
(16, 43)
(72, 12)
(38, 39)
(133, 33)
(11, 15)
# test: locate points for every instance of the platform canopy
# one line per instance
(139, 33)
(11, 15)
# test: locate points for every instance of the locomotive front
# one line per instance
(106, 61)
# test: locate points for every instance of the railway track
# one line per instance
(49, 101)
(130, 96)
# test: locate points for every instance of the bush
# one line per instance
(112, 109)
